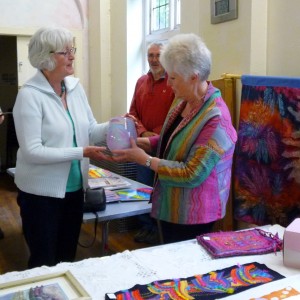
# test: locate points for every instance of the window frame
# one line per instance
(161, 35)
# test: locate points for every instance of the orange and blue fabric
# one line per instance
(267, 157)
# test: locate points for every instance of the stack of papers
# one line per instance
(108, 183)
(99, 173)
(117, 189)
(99, 177)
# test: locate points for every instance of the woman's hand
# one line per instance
(148, 134)
(133, 154)
(134, 119)
(144, 143)
(96, 153)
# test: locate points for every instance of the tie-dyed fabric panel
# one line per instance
(267, 156)
(210, 286)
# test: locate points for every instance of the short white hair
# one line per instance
(186, 54)
(46, 41)
(156, 43)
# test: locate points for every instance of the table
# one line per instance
(113, 211)
(123, 270)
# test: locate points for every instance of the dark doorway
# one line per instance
(8, 93)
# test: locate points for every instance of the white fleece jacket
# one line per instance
(45, 135)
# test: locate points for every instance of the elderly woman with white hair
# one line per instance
(55, 126)
(194, 150)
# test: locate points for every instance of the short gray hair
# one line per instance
(186, 54)
(46, 41)
(156, 43)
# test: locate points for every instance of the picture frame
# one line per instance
(223, 10)
(62, 284)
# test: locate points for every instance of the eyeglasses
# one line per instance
(68, 52)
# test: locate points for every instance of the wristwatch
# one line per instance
(148, 162)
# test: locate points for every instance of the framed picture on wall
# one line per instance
(223, 10)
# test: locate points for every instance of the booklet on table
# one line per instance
(99, 177)
(123, 195)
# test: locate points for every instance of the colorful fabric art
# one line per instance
(213, 285)
(246, 242)
(267, 155)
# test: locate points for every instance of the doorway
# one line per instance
(8, 93)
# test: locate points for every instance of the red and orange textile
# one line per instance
(266, 176)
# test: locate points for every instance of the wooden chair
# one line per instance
(227, 86)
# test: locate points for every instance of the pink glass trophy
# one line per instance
(120, 130)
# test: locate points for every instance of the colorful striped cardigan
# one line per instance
(193, 177)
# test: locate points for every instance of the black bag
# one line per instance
(95, 200)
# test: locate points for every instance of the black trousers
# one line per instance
(172, 232)
(51, 226)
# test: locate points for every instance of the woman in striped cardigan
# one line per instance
(194, 152)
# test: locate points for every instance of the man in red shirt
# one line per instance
(150, 104)
(152, 97)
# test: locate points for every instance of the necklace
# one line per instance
(63, 88)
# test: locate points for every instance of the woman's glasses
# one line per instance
(68, 52)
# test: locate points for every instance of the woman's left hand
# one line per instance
(96, 153)
(133, 154)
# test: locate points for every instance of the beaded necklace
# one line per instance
(63, 88)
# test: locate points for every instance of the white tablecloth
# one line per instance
(123, 270)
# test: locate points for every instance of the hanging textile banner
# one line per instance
(266, 176)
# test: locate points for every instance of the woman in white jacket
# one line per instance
(55, 126)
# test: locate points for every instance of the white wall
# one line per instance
(115, 55)
(127, 32)
(264, 40)
(36, 13)
(24, 17)
(283, 38)
(99, 64)
(232, 43)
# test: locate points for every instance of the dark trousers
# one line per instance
(172, 232)
(51, 226)
(146, 176)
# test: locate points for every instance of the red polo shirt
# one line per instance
(151, 102)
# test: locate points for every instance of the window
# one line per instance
(162, 17)
(160, 11)
(162, 21)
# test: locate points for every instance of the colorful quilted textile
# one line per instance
(233, 243)
(213, 285)
(267, 162)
